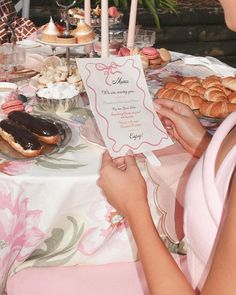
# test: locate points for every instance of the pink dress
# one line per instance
(205, 200)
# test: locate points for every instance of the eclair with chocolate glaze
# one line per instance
(20, 138)
(45, 130)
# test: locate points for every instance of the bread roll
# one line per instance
(193, 102)
(173, 85)
(222, 88)
(214, 94)
(214, 77)
(230, 83)
(207, 83)
(219, 109)
(190, 79)
(232, 97)
(200, 89)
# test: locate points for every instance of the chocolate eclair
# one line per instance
(20, 138)
(45, 130)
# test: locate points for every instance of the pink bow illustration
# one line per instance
(107, 69)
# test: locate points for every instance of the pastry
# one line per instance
(210, 82)
(232, 97)
(83, 33)
(12, 105)
(186, 80)
(194, 102)
(173, 85)
(145, 62)
(66, 39)
(165, 55)
(97, 11)
(213, 101)
(219, 109)
(155, 62)
(50, 32)
(214, 94)
(124, 51)
(230, 83)
(20, 138)
(45, 130)
(150, 53)
(113, 11)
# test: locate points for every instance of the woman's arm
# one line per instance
(126, 191)
(161, 271)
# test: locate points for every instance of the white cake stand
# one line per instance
(67, 47)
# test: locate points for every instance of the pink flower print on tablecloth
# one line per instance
(19, 232)
(108, 220)
(15, 167)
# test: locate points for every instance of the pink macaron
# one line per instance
(150, 52)
(124, 51)
(112, 11)
(12, 105)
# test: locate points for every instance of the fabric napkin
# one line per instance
(212, 63)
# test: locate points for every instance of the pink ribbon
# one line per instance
(107, 69)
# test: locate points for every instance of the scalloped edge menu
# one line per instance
(122, 106)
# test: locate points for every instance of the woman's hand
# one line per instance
(122, 183)
(183, 125)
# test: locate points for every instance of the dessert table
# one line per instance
(52, 213)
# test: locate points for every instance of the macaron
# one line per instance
(150, 52)
(155, 62)
(12, 105)
(124, 51)
(165, 55)
(134, 51)
(145, 62)
(112, 11)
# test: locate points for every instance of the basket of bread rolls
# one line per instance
(212, 97)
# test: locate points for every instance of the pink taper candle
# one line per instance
(132, 24)
(87, 11)
(104, 29)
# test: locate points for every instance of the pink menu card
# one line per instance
(121, 104)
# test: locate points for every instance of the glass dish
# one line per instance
(58, 105)
(143, 38)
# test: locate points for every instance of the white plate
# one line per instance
(67, 45)
(26, 43)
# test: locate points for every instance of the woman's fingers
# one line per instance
(106, 159)
(175, 106)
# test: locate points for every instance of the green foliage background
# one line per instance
(152, 5)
